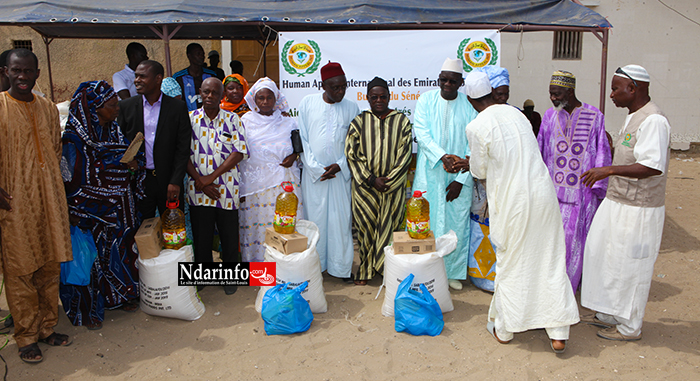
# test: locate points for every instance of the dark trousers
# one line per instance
(155, 197)
(203, 220)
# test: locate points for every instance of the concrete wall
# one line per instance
(644, 32)
(77, 60)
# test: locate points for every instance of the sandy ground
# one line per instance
(353, 341)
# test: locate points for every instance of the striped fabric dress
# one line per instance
(377, 148)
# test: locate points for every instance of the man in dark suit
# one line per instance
(165, 124)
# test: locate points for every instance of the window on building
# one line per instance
(567, 45)
(22, 44)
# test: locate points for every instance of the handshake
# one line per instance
(454, 164)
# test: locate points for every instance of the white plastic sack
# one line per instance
(428, 269)
(298, 268)
(160, 294)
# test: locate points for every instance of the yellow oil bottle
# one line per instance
(418, 216)
(286, 210)
(173, 221)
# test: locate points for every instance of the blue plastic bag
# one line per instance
(285, 311)
(77, 271)
(417, 313)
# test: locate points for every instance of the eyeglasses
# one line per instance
(450, 81)
(620, 71)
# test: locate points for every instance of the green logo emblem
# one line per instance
(477, 53)
(628, 137)
(300, 59)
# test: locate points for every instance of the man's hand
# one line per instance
(380, 184)
(201, 182)
(212, 191)
(173, 192)
(331, 170)
(133, 166)
(594, 175)
(5, 200)
(448, 162)
(453, 191)
(461, 165)
(289, 160)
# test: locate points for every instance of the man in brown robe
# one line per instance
(33, 209)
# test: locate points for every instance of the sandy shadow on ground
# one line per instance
(675, 238)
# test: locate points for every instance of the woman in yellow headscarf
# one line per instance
(235, 88)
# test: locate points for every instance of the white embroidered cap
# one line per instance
(451, 65)
(477, 84)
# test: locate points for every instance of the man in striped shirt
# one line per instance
(378, 149)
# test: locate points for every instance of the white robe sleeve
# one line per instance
(312, 167)
(343, 161)
(653, 139)
(479, 149)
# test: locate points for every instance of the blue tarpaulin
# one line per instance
(243, 19)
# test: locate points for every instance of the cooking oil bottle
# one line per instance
(173, 221)
(286, 210)
(418, 216)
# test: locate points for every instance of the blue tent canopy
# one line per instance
(243, 19)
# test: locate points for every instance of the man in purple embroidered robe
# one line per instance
(572, 140)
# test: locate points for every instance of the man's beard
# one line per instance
(561, 106)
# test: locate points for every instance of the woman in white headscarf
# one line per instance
(272, 161)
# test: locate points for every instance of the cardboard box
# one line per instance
(286, 243)
(404, 244)
(149, 238)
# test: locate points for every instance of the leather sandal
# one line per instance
(57, 340)
(30, 352)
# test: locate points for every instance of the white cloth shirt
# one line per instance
(124, 80)
(323, 128)
(531, 289)
(623, 242)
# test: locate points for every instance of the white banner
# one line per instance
(409, 60)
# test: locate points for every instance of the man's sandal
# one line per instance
(57, 340)
(560, 350)
(491, 327)
(30, 352)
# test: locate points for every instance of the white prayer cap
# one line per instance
(634, 72)
(477, 84)
(454, 66)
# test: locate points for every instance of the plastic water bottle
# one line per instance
(173, 221)
(418, 216)
(286, 210)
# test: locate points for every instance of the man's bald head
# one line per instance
(213, 81)
(211, 91)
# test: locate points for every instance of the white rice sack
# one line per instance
(428, 269)
(298, 268)
(160, 294)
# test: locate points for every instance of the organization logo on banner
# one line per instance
(301, 58)
(226, 274)
(477, 53)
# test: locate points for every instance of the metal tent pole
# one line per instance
(166, 37)
(47, 41)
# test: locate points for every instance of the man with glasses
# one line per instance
(572, 140)
(625, 236)
(323, 125)
(439, 122)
